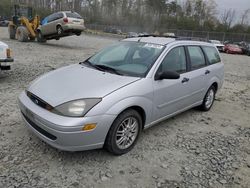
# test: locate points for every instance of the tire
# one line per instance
(22, 34)
(208, 99)
(12, 32)
(128, 136)
(59, 30)
(40, 38)
(32, 39)
(78, 33)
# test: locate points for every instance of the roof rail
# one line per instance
(154, 35)
(177, 37)
(193, 39)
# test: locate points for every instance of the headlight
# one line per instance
(77, 108)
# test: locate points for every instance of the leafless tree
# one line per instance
(245, 17)
(228, 17)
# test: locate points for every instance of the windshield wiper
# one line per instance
(110, 69)
(87, 62)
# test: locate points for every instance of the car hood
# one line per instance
(76, 82)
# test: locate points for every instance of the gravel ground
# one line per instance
(193, 149)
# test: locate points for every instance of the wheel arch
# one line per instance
(138, 109)
(215, 84)
(58, 24)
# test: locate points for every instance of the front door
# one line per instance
(171, 96)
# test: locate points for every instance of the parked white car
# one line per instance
(218, 45)
(5, 57)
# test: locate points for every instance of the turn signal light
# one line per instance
(89, 127)
(8, 53)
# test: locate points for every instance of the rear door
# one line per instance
(197, 74)
(215, 68)
(57, 19)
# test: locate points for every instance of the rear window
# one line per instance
(212, 55)
(196, 57)
(73, 15)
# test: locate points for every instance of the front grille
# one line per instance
(38, 101)
(39, 129)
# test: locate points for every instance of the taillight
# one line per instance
(8, 53)
(65, 20)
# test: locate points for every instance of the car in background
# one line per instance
(232, 49)
(59, 25)
(5, 57)
(4, 23)
(244, 47)
(112, 30)
(218, 45)
(169, 34)
(109, 98)
(132, 35)
(143, 34)
(248, 49)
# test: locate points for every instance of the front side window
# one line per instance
(128, 58)
(197, 58)
(175, 60)
(212, 55)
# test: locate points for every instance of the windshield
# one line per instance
(128, 58)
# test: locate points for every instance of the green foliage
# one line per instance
(5, 8)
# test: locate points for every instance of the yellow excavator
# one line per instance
(23, 26)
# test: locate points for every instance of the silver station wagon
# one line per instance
(108, 99)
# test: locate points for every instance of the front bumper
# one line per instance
(62, 132)
(5, 63)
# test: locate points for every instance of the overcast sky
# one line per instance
(238, 5)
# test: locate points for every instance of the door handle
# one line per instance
(207, 71)
(185, 80)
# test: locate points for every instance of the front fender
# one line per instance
(142, 102)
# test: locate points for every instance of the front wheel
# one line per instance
(40, 37)
(208, 99)
(124, 132)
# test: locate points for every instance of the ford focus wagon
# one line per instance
(108, 99)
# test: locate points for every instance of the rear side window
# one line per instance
(73, 15)
(212, 55)
(196, 57)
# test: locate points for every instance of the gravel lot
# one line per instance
(193, 149)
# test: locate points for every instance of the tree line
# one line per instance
(201, 15)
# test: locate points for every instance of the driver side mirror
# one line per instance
(171, 75)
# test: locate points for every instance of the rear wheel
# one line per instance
(22, 34)
(59, 30)
(208, 99)
(12, 32)
(124, 132)
(78, 33)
